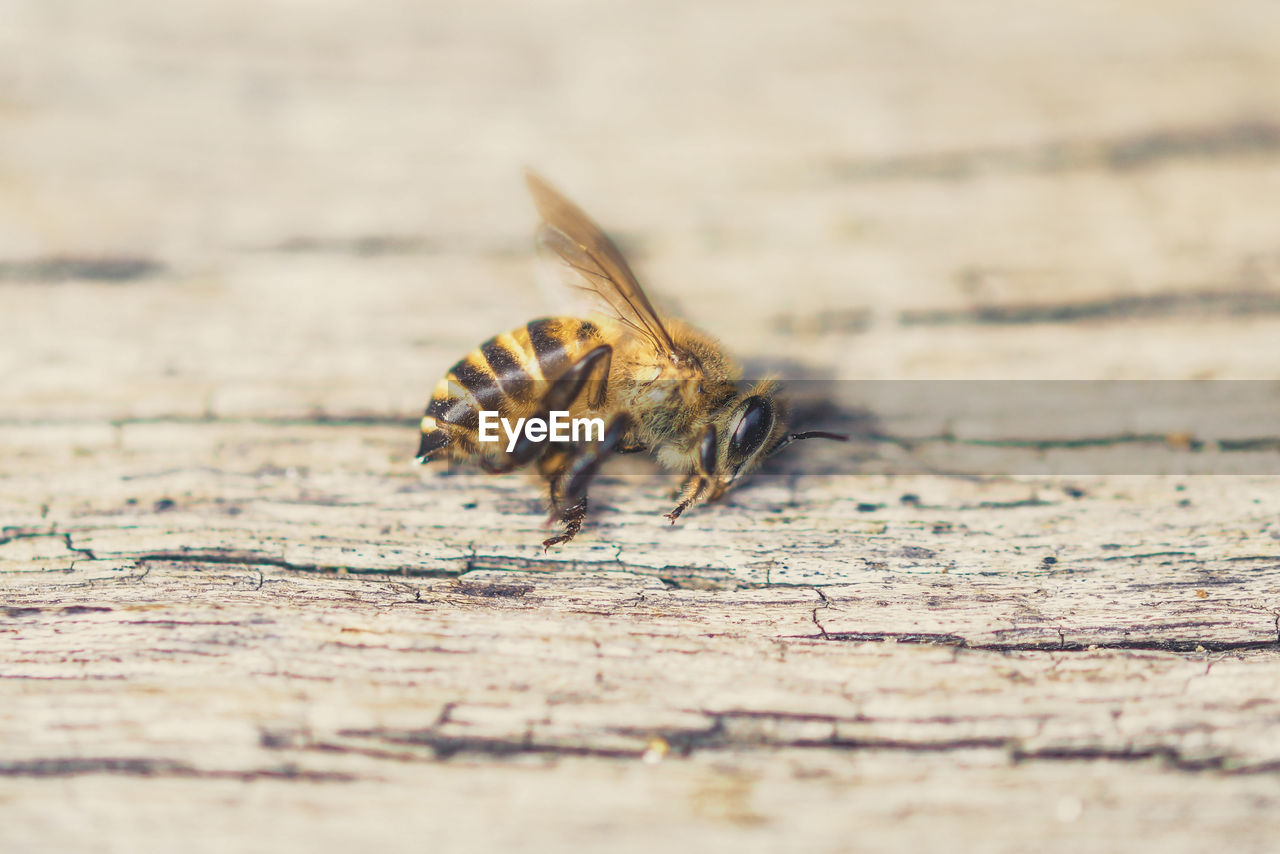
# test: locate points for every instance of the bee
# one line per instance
(655, 383)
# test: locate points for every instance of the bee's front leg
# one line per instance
(690, 492)
(698, 481)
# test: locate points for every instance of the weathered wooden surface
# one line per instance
(239, 244)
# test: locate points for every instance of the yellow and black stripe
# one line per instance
(508, 374)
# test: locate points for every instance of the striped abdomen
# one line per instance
(507, 374)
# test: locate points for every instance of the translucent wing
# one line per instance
(604, 273)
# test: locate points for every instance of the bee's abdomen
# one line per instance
(507, 374)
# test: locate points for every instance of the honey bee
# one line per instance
(654, 384)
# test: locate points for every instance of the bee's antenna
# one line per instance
(811, 434)
(817, 434)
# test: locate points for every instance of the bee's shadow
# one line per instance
(823, 403)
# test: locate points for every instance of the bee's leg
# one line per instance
(553, 467)
(572, 517)
(583, 465)
(570, 476)
(698, 481)
(690, 492)
(566, 388)
(568, 502)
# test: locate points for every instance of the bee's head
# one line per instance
(743, 434)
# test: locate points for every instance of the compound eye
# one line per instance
(707, 450)
(752, 428)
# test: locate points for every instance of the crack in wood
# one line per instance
(1147, 306)
(1141, 150)
(719, 737)
(1063, 645)
(150, 767)
(15, 534)
(57, 269)
(319, 419)
(253, 560)
(824, 602)
(445, 747)
(1171, 757)
(936, 638)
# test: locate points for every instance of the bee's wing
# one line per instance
(581, 244)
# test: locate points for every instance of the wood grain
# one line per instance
(239, 244)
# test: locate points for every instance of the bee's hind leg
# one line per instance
(570, 475)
